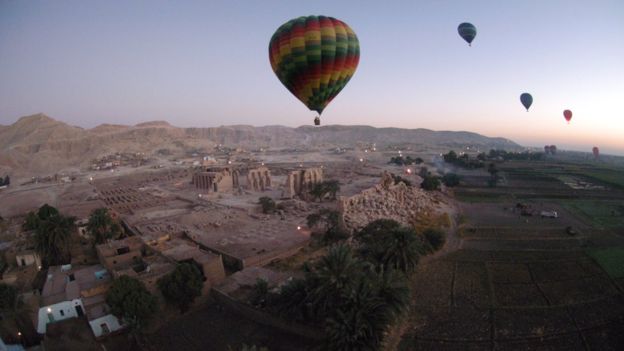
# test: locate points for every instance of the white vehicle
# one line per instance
(549, 214)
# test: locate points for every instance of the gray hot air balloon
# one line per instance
(526, 100)
(467, 31)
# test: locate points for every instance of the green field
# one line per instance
(465, 196)
(598, 174)
(611, 177)
(611, 260)
(600, 214)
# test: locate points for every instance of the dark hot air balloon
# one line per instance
(567, 114)
(467, 31)
(526, 100)
(314, 57)
(550, 149)
(596, 152)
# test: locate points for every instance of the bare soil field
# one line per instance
(552, 300)
(522, 282)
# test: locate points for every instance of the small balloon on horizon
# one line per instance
(527, 100)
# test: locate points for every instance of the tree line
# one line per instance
(358, 291)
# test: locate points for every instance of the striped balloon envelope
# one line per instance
(314, 57)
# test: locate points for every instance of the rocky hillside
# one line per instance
(39, 143)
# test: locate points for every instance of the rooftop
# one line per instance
(65, 283)
(180, 250)
(95, 306)
(111, 248)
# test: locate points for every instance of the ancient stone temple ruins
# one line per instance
(258, 179)
(216, 180)
(299, 182)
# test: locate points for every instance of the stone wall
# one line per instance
(402, 203)
(299, 182)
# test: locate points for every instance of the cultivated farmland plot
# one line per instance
(523, 282)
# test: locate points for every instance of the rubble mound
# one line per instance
(387, 200)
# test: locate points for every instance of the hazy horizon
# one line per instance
(125, 63)
(564, 147)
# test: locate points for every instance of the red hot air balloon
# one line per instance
(596, 152)
(568, 115)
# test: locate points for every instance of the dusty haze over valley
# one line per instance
(39, 143)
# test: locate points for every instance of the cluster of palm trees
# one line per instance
(52, 234)
(53, 230)
(358, 291)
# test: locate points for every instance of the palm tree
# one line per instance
(333, 279)
(101, 226)
(52, 237)
(385, 242)
(360, 322)
(291, 301)
(391, 286)
(400, 249)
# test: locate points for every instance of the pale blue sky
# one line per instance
(205, 63)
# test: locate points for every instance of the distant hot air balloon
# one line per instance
(596, 152)
(467, 31)
(550, 149)
(568, 115)
(526, 100)
(314, 57)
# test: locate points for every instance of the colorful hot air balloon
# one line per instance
(596, 152)
(314, 57)
(568, 115)
(526, 100)
(467, 31)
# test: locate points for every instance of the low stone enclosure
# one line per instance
(241, 238)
